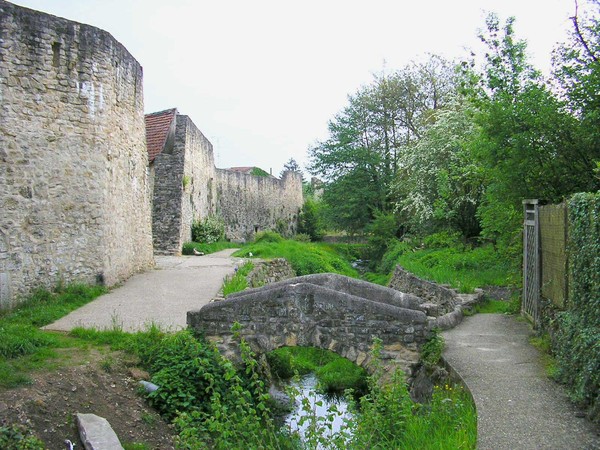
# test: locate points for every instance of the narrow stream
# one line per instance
(320, 406)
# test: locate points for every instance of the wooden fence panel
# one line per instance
(553, 252)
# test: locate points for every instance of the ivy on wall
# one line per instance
(577, 337)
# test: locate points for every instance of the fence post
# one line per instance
(530, 304)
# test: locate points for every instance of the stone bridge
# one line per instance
(329, 311)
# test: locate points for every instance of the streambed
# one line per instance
(331, 411)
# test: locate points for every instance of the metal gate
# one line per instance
(530, 305)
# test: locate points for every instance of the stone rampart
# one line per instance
(184, 188)
(74, 196)
(188, 188)
(249, 204)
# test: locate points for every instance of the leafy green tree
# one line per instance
(309, 221)
(440, 185)
(359, 160)
(577, 72)
(292, 165)
(526, 142)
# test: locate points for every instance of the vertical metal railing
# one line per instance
(530, 305)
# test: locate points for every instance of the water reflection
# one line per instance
(332, 407)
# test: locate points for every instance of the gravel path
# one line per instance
(162, 296)
(518, 406)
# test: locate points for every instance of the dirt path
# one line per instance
(99, 382)
(162, 296)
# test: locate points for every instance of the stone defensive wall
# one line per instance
(327, 311)
(249, 203)
(74, 192)
(184, 189)
(188, 187)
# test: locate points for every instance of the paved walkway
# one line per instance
(162, 296)
(518, 407)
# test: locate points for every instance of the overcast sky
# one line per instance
(261, 79)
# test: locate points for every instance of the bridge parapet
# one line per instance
(294, 313)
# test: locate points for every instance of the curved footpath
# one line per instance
(162, 296)
(518, 407)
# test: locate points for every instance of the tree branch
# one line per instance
(580, 36)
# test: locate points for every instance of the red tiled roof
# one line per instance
(157, 130)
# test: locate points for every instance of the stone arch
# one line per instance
(296, 313)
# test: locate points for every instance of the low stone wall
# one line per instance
(444, 306)
(437, 299)
(268, 272)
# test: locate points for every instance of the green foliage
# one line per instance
(185, 369)
(309, 221)
(188, 247)
(391, 257)
(305, 258)
(209, 230)
(461, 267)
(19, 340)
(185, 182)
(431, 352)
(258, 172)
(231, 407)
(577, 70)
(544, 344)
(334, 373)
(44, 307)
(387, 418)
(17, 437)
(23, 346)
(443, 239)
(341, 374)
(301, 237)
(268, 236)
(491, 306)
(292, 166)
(528, 142)
(382, 230)
(238, 281)
(378, 278)
(440, 184)
(360, 159)
(577, 338)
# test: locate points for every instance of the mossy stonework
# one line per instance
(81, 178)
(74, 201)
(327, 311)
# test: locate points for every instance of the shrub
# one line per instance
(309, 221)
(17, 437)
(431, 352)
(443, 239)
(268, 236)
(301, 237)
(382, 230)
(576, 341)
(390, 258)
(209, 230)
